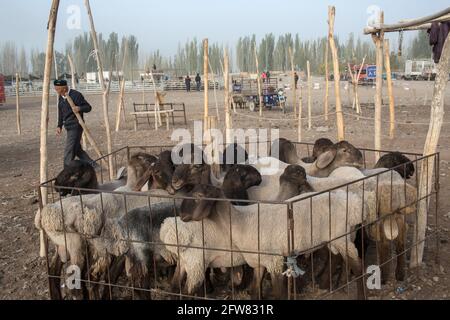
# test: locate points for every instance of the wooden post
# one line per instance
(121, 102)
(104, 88)
(294, 89)
(157, 104)
(19, 129)
(358, 105)
(300, 107)
(337, 86)
(226, 79)
(258, 80)
(431, 142)
(211, 123)
(309, 95)
(214, 90)
(43, 163)
(45, 96)
(205, 81)
(387, 65)
(378, 39)
(327, 75)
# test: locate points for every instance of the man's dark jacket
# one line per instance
(66, 116)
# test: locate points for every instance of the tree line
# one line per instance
(273, 54)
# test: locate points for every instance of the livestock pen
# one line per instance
(301, 229)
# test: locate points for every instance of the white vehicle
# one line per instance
(419, 70)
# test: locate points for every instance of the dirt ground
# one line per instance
(23, 273)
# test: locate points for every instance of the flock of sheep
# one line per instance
(203, 231)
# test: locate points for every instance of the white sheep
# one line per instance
(273, 235)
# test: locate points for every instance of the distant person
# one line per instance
(198, 81)
(268, 75)
(187, 82)
(264, 76)
(154, 67)
(67, 118)
(295, 79)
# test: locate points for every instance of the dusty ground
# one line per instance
(22, 272)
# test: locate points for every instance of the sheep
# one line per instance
(398, 162)
(81, 175)
(287, 151)
(236, 181)
(293, 182)
(67, 220)
(387, 193)
(341, 154)
(217, 216)
(76, 174)
(135, 236)
(233, 154)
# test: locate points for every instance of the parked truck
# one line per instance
(419, 70)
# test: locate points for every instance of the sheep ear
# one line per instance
(325, 159)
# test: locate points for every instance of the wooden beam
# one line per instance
(104, 88)
(387, 65)
(337, 85)
(431, 143)
(443, 15)
(378, 40)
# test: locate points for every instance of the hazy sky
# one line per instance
(163, 24)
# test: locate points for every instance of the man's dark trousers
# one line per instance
(73, 147)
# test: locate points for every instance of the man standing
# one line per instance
(67, 118)
(187, 82)
(295, 79)
(198, 81)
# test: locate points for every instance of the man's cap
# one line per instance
(60, 83)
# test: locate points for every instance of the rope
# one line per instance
(280, 119)
(387, 121)
(333, 113)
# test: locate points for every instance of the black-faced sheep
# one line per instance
(272, 235)
(399, 162)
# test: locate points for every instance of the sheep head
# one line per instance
(202, 205)
(340, 154)
(187, 175)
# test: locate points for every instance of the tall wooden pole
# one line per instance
(387, 64)
(431, 142)
(337, 85)
(121, 102)
(258, 81)
(294, 89)
(327, 81)
(214, 90)
(309, 95)
(300, 108)
(378, 39)
(105, 97)
(45, 95)
(43, 165)
(205, 81)
(19, 129)
(226, 79)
